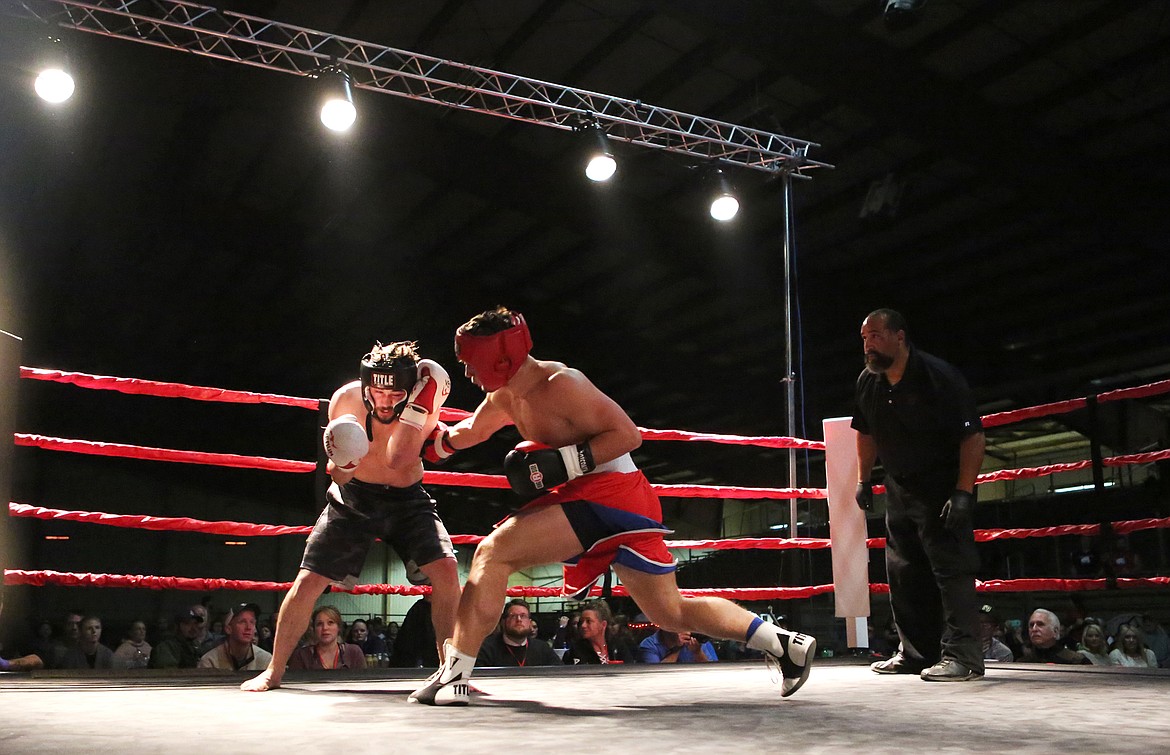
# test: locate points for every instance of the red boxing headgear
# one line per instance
(495, 358)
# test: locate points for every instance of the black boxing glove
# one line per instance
(533, 469)
(956, 512)
(864, 496)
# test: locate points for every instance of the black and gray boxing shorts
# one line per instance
(358, 512)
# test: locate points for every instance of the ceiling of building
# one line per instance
(1002, 172)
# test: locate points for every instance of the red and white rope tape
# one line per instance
(447, 414)
(474, 480)
(247, 529)
(462, 479)
(41, 578)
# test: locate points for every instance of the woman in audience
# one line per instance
(1130, 649)
(371, 644)
(1093, 645)
(327, 651)
(598, 640)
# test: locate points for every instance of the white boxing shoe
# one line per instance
(794, 665)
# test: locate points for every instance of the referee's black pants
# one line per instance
(932, 578)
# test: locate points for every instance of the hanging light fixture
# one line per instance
(600, 165)
(724, 206)
(54, 84)
(337, 110)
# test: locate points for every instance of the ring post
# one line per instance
(9, 381)
(847, 531)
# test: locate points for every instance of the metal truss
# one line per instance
(203, 30)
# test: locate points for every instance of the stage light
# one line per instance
(601, 164)
(899, 14)
(337, 110)
(724, 207)
(53, 84)
(601, 167)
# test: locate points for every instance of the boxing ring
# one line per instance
(722, 707)
(843, 518)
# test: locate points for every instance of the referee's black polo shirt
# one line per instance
(918, 423)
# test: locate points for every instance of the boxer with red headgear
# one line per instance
(588, 506)
(376, 493)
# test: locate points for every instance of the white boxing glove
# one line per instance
(427, 395)
(346, 443)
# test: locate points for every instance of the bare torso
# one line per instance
(557, 405)
(377, 466)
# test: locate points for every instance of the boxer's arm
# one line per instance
(486, 421)
(606, 428)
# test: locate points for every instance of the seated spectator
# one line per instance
(238, 651)
(1045, 647)
(214, 636)
(70, 634)
(134, 652)
(993, 649)
(562, 636)
(512, 644)
(371, 644)
(676, 647)
(596, 642)
(265, 637)
(43, 641)
(89, 652)
(1156, 639)
(29, 662)
(180, 649)
(327, 651)
(1094, 647)
(1130, 650)
(415, 644)
(201, 638)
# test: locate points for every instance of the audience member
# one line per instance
(180, 649)
(1156, 639)
(563, 634)
(327, 651)
(1126, 562)
(596, 642)
(993, 649)
(216, 634)
(370, 643)
(415, 645)
(29, 662)
(1086, 560)
(43, 641)
(200, 610)
(265, 642)
(89, 652)
(676, 647)
(134, 652)
(1094, 647)
(238, 651)
(1045, 647)
(1130, 650)
(70, 634)
(513, 644)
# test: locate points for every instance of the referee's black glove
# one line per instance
(864, 496)
(957, 511)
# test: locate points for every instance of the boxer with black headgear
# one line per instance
(376, 492)
(588, 506)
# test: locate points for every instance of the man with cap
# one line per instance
(377, 425)
(181, 649)
(238, 650)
